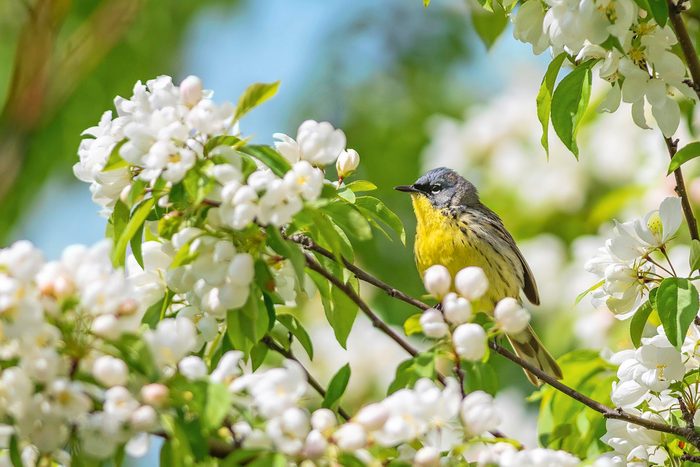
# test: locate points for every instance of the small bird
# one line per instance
(456, 230)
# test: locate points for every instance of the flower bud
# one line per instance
(315, 445)
(372, 416)
(471, 283)
(427, 456)
(295, 421)
(193, 368)
(432, 324)
(470, 341)
(350, 437)
(478, 413)
(144, 418)
(437, 280)
(510, 316)
(457, 310)
(347, 162)
(323, 420)
(106, 326)
(191, 90)
(155, 394)
(110, 371)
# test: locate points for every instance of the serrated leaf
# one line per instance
(138, 217)
(289, 250)
(411, 370)
(136, 244)
(350, 220)
(694, 259)
(685, 154)
(337, 387)
(677, 304)
(640, 318)
(295, 327)
(253, 96)
(544, 98)
(569, 102)
(371, 206)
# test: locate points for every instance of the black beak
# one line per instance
(407, 189)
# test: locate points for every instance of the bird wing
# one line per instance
(529, 286)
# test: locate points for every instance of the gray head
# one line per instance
(444, 188)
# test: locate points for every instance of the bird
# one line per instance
(455, 229)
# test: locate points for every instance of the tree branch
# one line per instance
(312, 381)
(672, 146)
(608, 412)
(691, 58)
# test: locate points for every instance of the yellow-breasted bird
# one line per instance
(456, 230)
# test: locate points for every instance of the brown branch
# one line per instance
(352, 295)
(309, 244)
(312, 381)
(672, 146)
(686, 43)
(608, 412)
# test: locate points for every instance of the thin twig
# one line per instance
(312, 381)
(672, 146)
(608, 412)
(309, 244)
(686, 43)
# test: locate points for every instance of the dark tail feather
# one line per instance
(528, 347)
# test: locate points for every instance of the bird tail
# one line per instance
(528, 347)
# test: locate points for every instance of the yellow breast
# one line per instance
(442, 239)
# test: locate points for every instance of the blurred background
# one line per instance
(412, 87)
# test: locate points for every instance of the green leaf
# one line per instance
(268, 156)
(217, 406)
(138, 217)
(426, 3)
(136, 244)
(569, 102)
(412, 325)
(489, 24)
(544, 98)
(348, 217)
(295, 327)
(371, 206)
(341, 315)
(253, 96)
(223, 140)
(413, 369)
(677, 304)
(659, 10)
(118, 220)
(115, 161)
(595, 286)
(289, 250)
(564, 423)
(480, 376)
(639, 320)
(361, 185)
(15, 456)
(694, 255)
(337, 387)
(686, 153)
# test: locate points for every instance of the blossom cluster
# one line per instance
(625, 264)
(657, 382)
(468, 339)
(633, 52)
(69, 378)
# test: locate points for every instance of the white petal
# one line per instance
(671, 216)
(638, 113)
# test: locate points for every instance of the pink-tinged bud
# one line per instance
(155, 394)
(191, 90)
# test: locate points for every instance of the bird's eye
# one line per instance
(435, 188)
